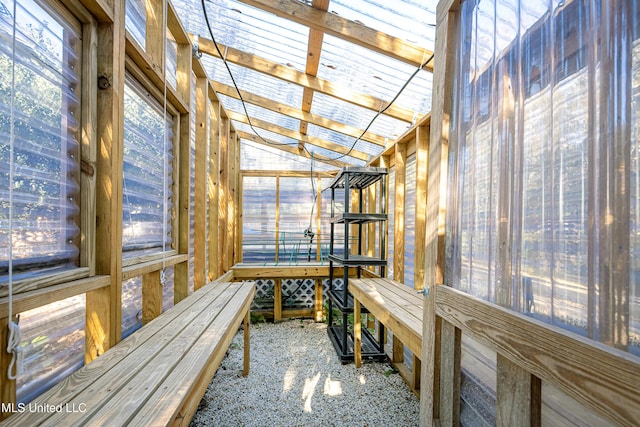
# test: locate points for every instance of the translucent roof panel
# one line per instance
(254, 82)
(362, 70)
(412, 20)
(232, 104)
(360, 117)
(260, 157)
(246, 28)
(332, 155)
(344, 140)
(270, 137)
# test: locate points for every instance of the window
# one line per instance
(39, 141)
(147, 184)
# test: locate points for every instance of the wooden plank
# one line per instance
(318, 142)
(291, 149)
(450, 350)
(213, 187)
(598, 376)
(290, 174)
(518, 399)
(422, 166)
(200, 184)
(175, 26)
(103, 306)
(298, 113)
(436, 206)
(40, 297)
(27, 285)
(201, 361)
(252, 271)
(151, 296)
(136, 270)
(357, 333)
(299, 78)
(99, 9)
(351, 31)
(398, 217)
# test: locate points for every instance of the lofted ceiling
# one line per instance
(314, 74)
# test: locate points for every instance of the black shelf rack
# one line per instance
(341, 333)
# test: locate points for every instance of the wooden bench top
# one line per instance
(151, 377)
(397, 306)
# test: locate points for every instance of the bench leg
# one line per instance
(247, 351)
(357, 334)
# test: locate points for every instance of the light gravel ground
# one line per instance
(296, 379)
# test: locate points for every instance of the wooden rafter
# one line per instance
(345, 29)
(297, 113)
(291, 75)
(318, 142)
(314, 49)
(291, 149)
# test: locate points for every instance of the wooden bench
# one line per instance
(156, 376)
(397, 307)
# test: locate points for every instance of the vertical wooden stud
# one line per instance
(231, 201)
(518, 400)
(156, 34)
(151, 296)
(213, 186)
(247, 342)
(436, 205)
(450, 351)
(422, 165)
(223, 190)
(398, 228)
(200, 184)
(277, 300)
(103, 306)
(357, 333)
(318, 300)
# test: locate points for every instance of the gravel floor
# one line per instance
(296, 379)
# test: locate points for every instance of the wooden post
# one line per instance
(213, 181)
(357, 333)
(277, 300)
(247, 341)
(200, 184)
(518, 395)
(156, 34)
(318, 300)
(151, 296)
(436, 206)
(398, 233)
(104, 306)
(450, 351)
(422, 166)
(223, 189)
(231, 201)
(183, 184)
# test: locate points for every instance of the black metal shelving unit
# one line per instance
(354, 178)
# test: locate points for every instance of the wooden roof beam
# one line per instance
(294, 76)
(318, 142)
(299, 114)
(345, 29)
(291, 149)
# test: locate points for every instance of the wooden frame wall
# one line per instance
(529, 352)
(108, 53)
